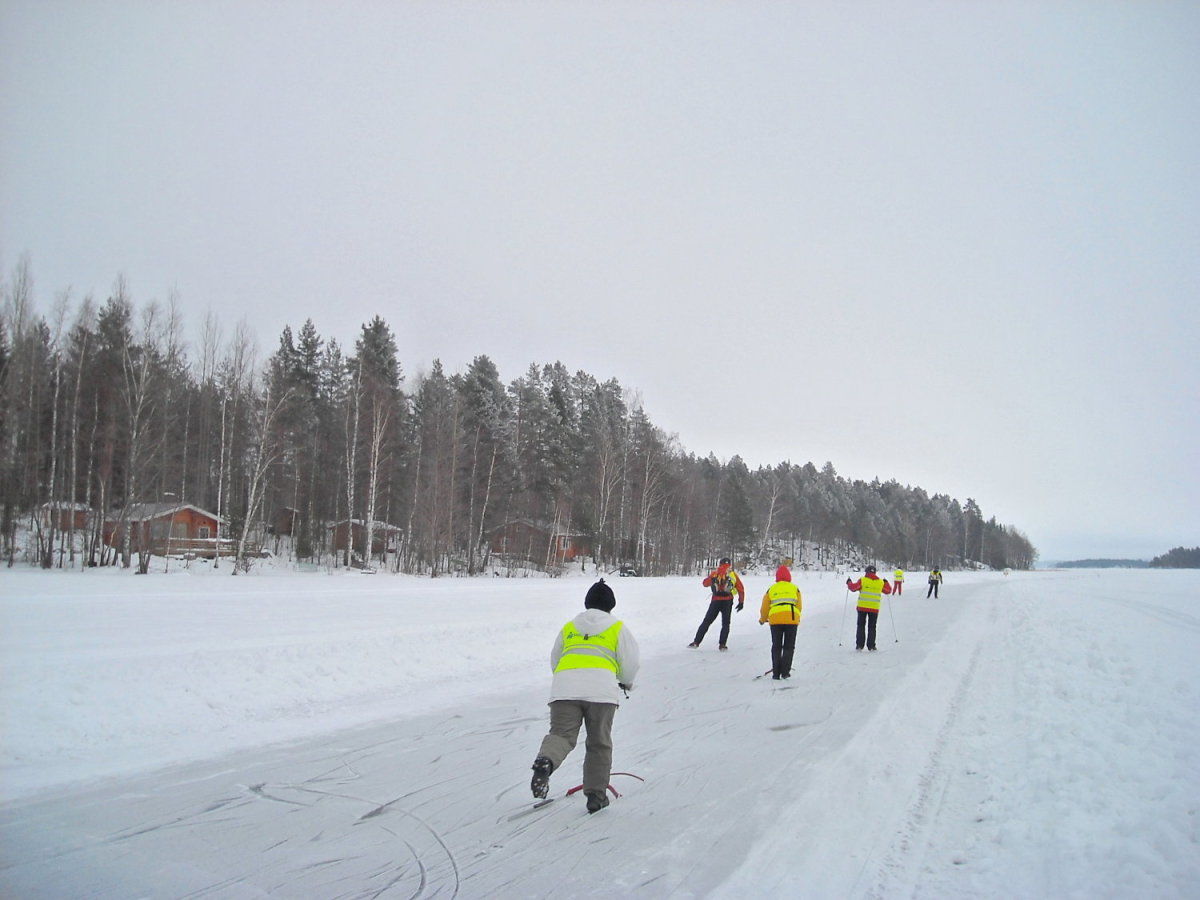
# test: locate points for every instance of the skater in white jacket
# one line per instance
(594, 660)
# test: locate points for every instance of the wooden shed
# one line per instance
(65, 516)
(165, 528)
(536, 542)
(386, 537)
(284, 521)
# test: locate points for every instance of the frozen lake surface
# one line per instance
(183, 735)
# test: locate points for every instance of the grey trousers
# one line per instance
(566, 717)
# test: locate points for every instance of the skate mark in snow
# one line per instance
(184, 821)
(389, 806)
(914, 842)
(791, 725)
(1159, 613)
(528, 810)
(736, 707)
(424, 878)
(259, 790)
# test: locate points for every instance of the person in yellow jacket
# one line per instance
(871, 589)
(898, 582)
(781, 608)
(594, 659)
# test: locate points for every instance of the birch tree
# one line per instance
(266, 448)
(234, 376)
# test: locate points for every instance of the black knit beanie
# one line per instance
(600, 596)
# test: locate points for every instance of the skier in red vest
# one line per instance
(724, 583)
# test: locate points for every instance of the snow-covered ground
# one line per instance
(319, 736)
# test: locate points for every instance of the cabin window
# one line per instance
(203, 531)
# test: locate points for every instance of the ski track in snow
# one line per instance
(978, 756)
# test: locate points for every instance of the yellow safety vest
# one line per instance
(589, 651)
(870, 593)
(899, 575)
(785, 599)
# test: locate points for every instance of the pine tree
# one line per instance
(488, 455)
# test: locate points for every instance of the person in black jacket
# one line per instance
(935, 579)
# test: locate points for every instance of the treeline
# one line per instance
(1179, 558)
(104, 406)
(1104, 564)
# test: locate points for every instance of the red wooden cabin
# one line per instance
(168, 528)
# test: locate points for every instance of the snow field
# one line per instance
(1027, 736)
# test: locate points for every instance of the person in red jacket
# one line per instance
(724, 583)
(871, 589)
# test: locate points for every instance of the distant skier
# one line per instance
(781, 607)
(871, 589)
(594, 658)
(935, 580)
(724, 583)
(898, 582)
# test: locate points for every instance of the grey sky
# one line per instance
(956, 244)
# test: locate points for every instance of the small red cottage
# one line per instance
(168, 528)
(66, 516)
(284, 521)
(524, 539)
(386, 537)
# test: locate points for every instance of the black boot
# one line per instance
(540, 785)
(597, 800)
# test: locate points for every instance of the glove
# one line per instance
(739, 607)
(762, 621)
(625, 687)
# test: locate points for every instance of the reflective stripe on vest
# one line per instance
(870, 594)
(783, 594)
(589, 651)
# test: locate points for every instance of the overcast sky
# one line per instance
(956, 244)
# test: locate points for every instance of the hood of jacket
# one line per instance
(594, 621)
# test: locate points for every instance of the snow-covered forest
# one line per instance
(106, 405)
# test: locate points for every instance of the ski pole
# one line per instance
(893, 615)
(842, 627)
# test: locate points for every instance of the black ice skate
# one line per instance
(540, 785)
(597, 800)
